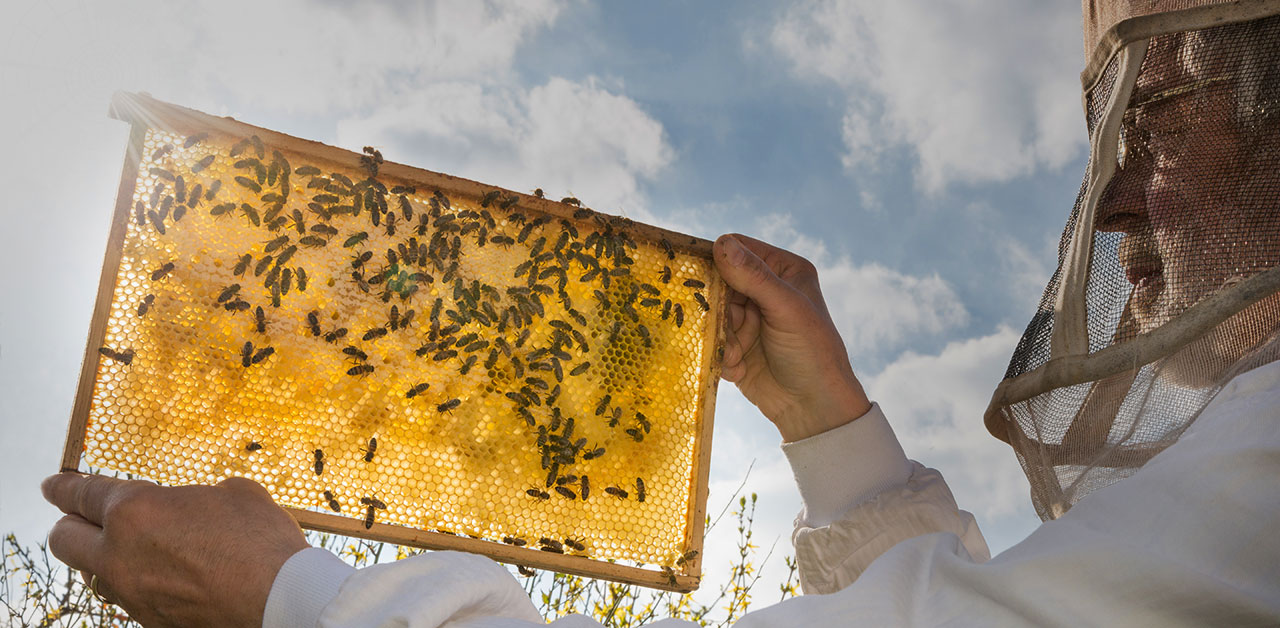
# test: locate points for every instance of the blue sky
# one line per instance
(923, 155)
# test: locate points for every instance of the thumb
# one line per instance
(749, 275)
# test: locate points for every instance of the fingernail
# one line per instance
(733, 252)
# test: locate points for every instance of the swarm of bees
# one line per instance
(526, 336)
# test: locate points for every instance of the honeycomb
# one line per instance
(396, 354)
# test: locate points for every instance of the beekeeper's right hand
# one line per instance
(782, 348)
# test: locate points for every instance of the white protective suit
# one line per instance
(1190, 539)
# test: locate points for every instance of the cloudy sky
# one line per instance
(923, 155)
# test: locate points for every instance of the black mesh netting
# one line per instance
(1189, 213)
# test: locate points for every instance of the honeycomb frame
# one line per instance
(456, 461)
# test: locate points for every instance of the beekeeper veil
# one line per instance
(1167, 277)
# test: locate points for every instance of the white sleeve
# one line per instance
(861, 496)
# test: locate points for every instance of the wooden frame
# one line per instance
(144, 112)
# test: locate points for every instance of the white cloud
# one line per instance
(563, 136)
(291, 56)
(935, 404)
(981, 92)
(876, 309)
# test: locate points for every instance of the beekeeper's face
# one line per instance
(1182, 195)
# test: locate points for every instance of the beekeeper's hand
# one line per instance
(174, 556)
(782, 349)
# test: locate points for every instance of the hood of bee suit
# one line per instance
(1167, 278)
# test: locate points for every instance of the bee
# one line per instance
(262, 265)
(124, 357)
(195, 139)
(509, 202)
(249, 183)
(213, 190)
(162, 272)
(525, 571)
(489, 197)
(202, 164)
(686, 557)
(333, 503)
(161, 152)
(441, 356)
(301, 275)
(694, 283)
(260, 320)
(371, 449)
(261, 354)
(417, 390)
(360, 370)
(569, 200)
(373, 502)
(671, 576)
(145, 305)
(356, 239)
(516, 541)
(275, 244)
(376, 332)
(360, 259)
(228, 292)
(319, 463)
(635, 434)
(253, 446)
(702, 302)
(335, 335)
(679, 312)
(582, 214)
(575, 544)
(550, 545)
(466, 366)
(449, 405)
(312, 241)
(639, 490)
(368, 518)
(591, 454)
(537, 492)
(243, 264)
(503, 240)
(584, 487)
(666, 246)
(313, 322)
(538, 193)
(307, 171)
(616, 492)
(566, 492)
(246, 354)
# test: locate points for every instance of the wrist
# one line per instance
(838, 404)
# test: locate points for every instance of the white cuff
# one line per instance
(843, 467)
(305, 584)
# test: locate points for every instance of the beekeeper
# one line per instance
(1143, 403)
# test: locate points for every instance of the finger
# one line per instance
(78, 543)
(245, 485)
(792, 269)
(86, 495)
(748, 274)
(738, 343)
